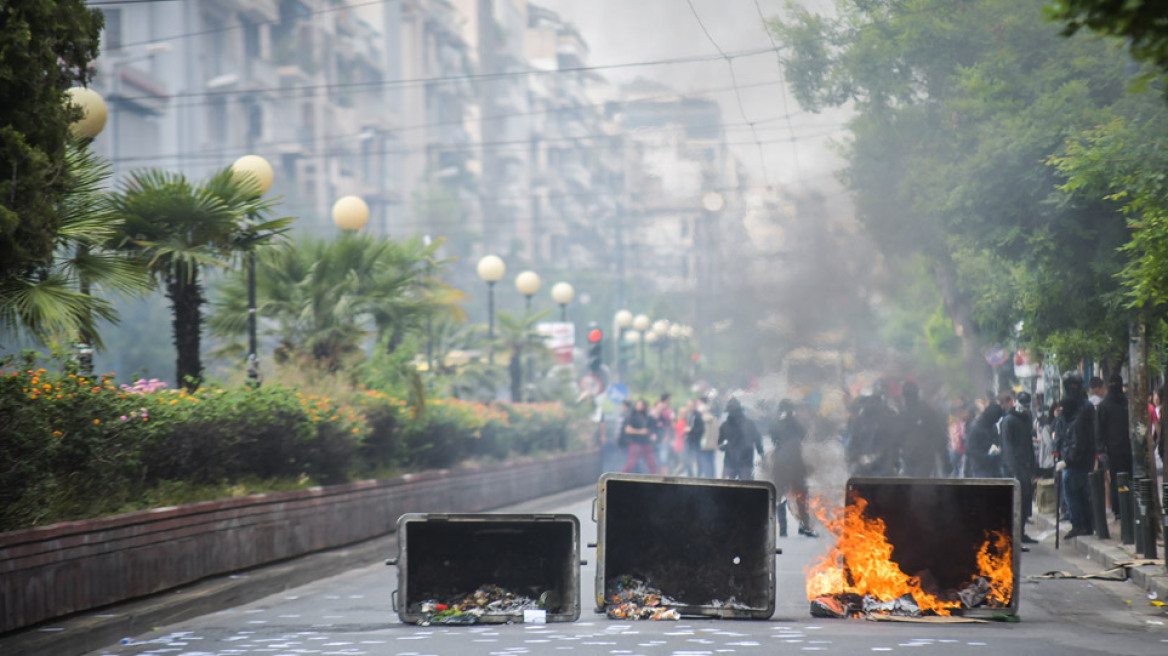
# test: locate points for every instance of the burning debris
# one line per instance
(630, 598)
(487, 600)
(858, 576)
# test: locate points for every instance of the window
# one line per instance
(113, 29)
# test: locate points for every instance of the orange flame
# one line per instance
(861, 563)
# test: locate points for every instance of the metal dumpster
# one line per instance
(707, 544)
(443, 558)
(937, 526)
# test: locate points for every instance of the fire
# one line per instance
(861, 563)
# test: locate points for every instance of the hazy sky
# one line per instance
(621, 31)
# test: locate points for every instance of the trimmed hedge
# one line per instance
(79, 447)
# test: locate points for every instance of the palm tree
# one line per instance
(178, 229)
(62, 297)
(322, 299)
(517, 334)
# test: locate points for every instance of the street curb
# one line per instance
(94, 629)
(1108, 553)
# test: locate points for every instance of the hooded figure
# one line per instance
(739, 439)
(983, 446)
(786, 467)
(1075, 428)
(872, 446)
(1018, 458)
(1114, 448)
(925, 435)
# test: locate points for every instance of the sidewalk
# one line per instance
(1108, 553)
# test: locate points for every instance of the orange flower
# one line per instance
(96, 422)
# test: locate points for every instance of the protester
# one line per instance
(1096, 391)
(923, 447)
(1018, 458)
(695, 430)
(739, 438)
(983, 449)
(636, 432)
(707, 463)
(1114, 438)
(786, 468)
(872, 449)
(1075, 429)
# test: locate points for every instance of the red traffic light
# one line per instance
(595, 335)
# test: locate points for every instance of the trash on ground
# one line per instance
(467, 609)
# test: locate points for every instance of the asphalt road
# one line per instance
(351, 615)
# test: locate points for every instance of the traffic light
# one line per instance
(595, 349)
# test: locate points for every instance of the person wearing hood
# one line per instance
(787, 469)
(924, 432)
(873, 447)
(1114, 448)
(739, 439)
(1075, 429)
(1018, 458)
(983, 446)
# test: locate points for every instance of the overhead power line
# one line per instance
(782, 88)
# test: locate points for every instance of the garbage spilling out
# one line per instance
(468, 609)
(969, 568)
(633, 599)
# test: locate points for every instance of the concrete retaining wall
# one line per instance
(57, 570)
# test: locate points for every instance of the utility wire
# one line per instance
(300, 91)
(782, 90)
(734, 81)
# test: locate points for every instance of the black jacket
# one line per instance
(697, 429)
(637, 420)
(1112, 424)
(983, 434)
(873, 444)
(1018, 445)
(1076, 434)
(739, 438)
(925, 436)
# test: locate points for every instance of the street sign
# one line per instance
(997, 356)
(618, 392)
(591, 384)
(559, 337)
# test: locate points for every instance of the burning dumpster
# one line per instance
(913, 547)
(673, 546)
(488, 568)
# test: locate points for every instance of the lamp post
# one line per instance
(491, 270)
(641, 324)
(91, 123)
(257, 174)
(622, 319)
(562, 294)
(528, 284)
(350, 213)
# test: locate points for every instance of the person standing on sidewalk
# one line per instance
(1114, 448)
(1076, 431)
(1018, 454)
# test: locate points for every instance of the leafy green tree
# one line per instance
(322, 299)
(958, 105)
(62, 296)
(45, 47)
(179, 229)
(1144, 23)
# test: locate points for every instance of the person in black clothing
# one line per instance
(787, 469)
(1114, 448)
(637, 433)
(1075, 428)
(873, 448)
(982, 447)
(695, 429)
(739, 439)
(924, 437)
(1018, 459)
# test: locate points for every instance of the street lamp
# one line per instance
(350, 213)
(491, 270)
(256, 173)
(563, 293)
(93, 112)
(641, 322)
(528, 284)
(91, 123)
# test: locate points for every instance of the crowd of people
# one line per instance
(898, 433)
